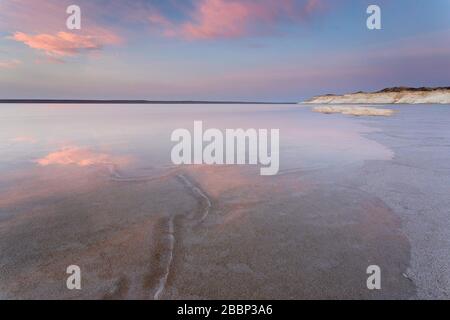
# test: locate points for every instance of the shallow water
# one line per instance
(93, 185)
(142, 132)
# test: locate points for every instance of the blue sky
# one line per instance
(220, 49)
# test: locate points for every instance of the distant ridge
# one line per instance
(412, 89)
(95, 101)
(394, 95)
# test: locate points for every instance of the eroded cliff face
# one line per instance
(391, 95)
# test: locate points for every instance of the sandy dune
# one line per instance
(388, 96)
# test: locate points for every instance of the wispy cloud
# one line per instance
(25, 139)
(216, 19)
(10, 64)
(222, 19)
(64, 43)
(40, 24)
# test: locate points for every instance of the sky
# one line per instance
(252, 50)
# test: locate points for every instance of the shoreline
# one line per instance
(420, 203)
(101, 101)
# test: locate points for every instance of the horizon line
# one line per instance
(136, 101)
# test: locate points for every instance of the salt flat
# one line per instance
(351, 192)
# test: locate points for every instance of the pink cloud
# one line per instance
(311, 6)
(25, 139)
(64, 43)
(214, 19)
(156, 18)
(10, 64)
(219, 18)
(41, 25)
(208, 19)
(167, 27)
